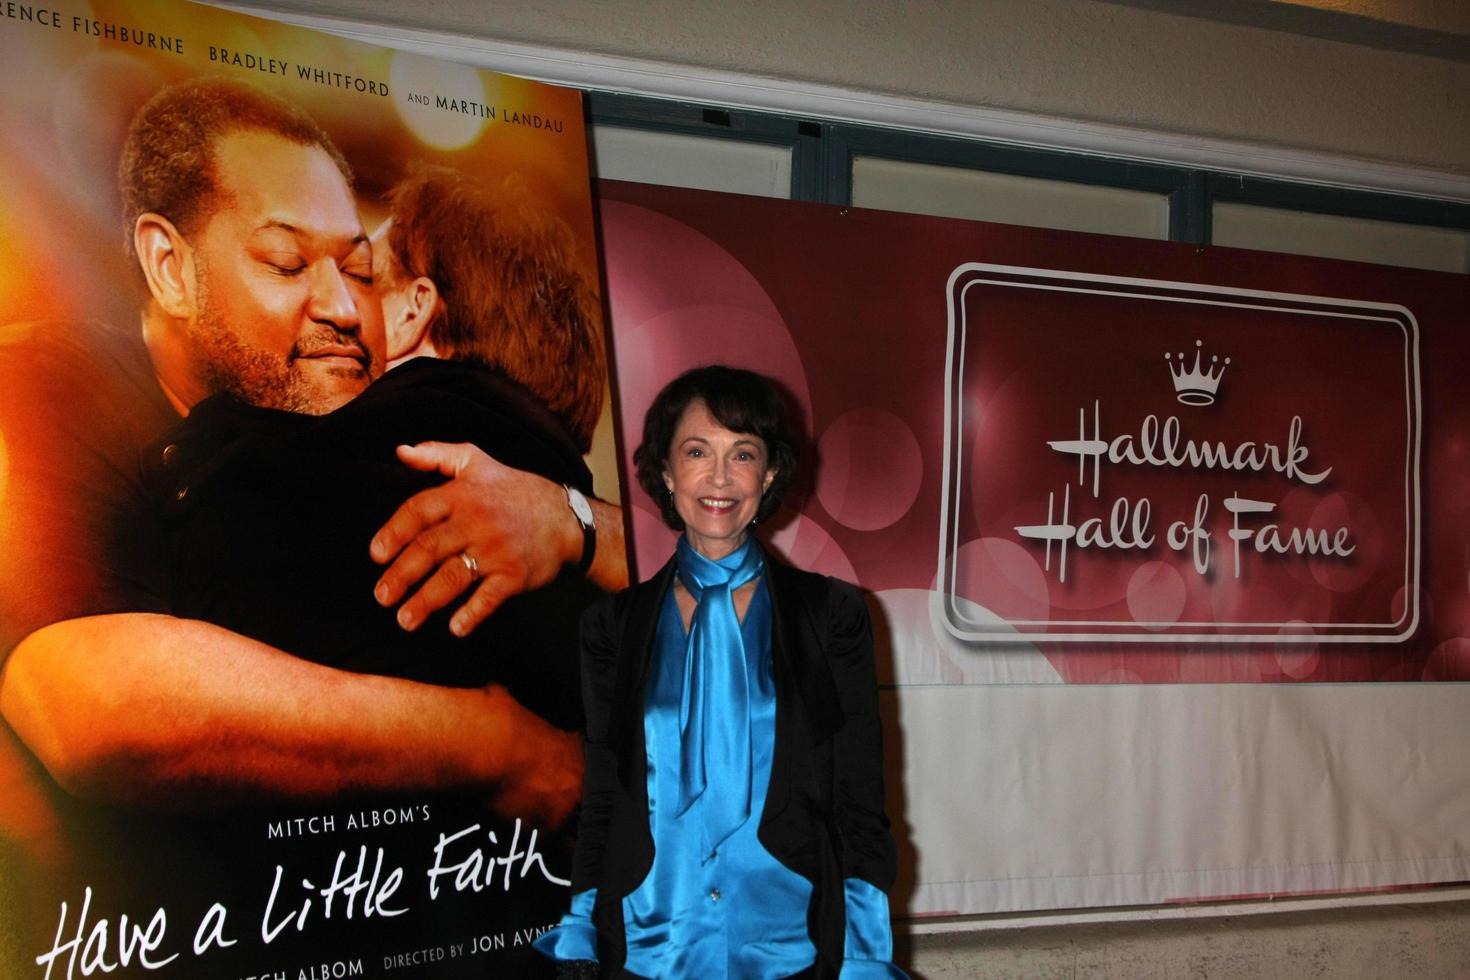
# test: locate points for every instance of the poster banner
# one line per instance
(1112, 501)
(1099, 459)
(240, 263)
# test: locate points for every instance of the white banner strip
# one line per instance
(1021, 798)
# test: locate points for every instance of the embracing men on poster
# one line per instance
(243, 564)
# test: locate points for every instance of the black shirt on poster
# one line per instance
(268, 515)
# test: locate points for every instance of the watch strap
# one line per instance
(582, 511)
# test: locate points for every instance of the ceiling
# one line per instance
(1438, 28)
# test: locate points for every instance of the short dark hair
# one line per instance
(740, 400)
(510, 294)
(168, 160)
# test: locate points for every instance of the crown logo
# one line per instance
(1194, 386)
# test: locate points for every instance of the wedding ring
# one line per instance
(470, 563)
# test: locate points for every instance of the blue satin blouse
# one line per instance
(738, 912)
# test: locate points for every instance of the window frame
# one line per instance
(822, 153)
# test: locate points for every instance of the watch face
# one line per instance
(580, 506)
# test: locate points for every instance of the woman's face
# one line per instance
(717, 478)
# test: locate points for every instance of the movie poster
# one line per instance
(241, 263)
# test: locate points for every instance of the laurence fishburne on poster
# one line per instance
(301, 361)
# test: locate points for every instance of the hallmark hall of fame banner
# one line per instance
(1141, 461)
(116, 863)
(1166, 546)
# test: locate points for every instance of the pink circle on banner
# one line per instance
(1297, 660)
(678, 300)
(1347, 510)
(1001, 577)
(1090, 583)
(806, 544)
(1294, 509)
(655, 351)
(869, 469)
(655, 263)
(989, 449)
(1156, 595)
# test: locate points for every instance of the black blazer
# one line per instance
(823, 816)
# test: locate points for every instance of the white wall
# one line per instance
(1074, 59)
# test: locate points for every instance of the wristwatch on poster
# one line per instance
(582, 511)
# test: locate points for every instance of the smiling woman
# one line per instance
(717, 479)
(740, 410)
(684, 870)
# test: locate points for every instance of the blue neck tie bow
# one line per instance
(714, 709)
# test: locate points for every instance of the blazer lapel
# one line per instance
(625, 723)
(803, 680)
(797, 640)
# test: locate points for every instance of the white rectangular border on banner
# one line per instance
(971, 274)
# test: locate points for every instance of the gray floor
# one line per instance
(1383, 942)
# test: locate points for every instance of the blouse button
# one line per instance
(169, 453)
(714, 895)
